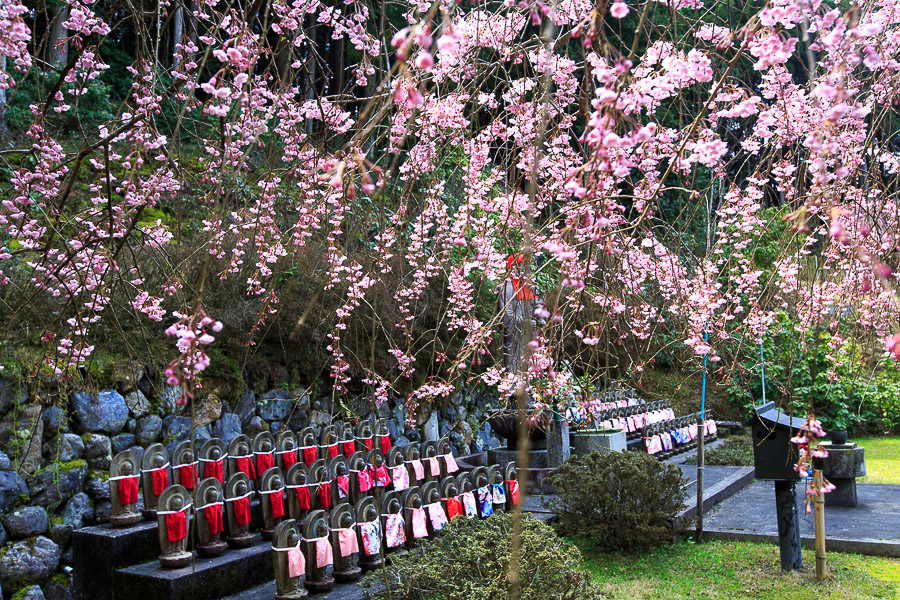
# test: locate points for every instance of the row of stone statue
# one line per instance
(356, 539)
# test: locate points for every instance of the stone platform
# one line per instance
(752, 511)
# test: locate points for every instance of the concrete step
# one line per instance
(266, 591)
(203, 579)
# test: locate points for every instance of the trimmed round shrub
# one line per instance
(618, 499)
(471, 559)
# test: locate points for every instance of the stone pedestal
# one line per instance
(844, 463)
(599, 440)
(557, 443)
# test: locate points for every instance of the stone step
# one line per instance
(204, 579)
(100, 551)
(266, 591)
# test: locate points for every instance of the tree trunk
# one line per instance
(57, 49)
(3, 98)
(177, 33)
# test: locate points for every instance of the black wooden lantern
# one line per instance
(774, 454)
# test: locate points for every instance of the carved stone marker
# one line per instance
(361, 482)
(430, 461)
(212, 460)
(210, 524)
(378, 472)
(184, 467)
(414, 515)
(286, 450)
(309, 450)
(345, 543)
(365, 437)
(392, 525)
(511, 479)
(498, 487)
(318, 552)
(154, 477)
(299, 493)
(174, 518)
(271, 490)
(320, 478)
(339, 467)
(290, 564)
(345, 439)
(240, 459)
(369, 534)
(414, 467)
(434, 509)
(237, 510)
(263, 452)
(328, 443)
(448, 462)
(383, 433)
(450, 498)
(123, 489)
(397, 469)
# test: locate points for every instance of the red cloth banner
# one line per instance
(264, 462)
(309, 455)
(160, 481)
(215, 469)
(277, 501)
(324, 493)
(242, 511)
(454, 507)
(176, 526)
(513, 487)
(385, 443)
(348, 448)
(303, 498)
(187, 475)
(245, 466)
(213, 514)
(128, 490)
(289, 459)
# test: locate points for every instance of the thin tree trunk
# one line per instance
(177, 33)
(3, 98)
(57, 49)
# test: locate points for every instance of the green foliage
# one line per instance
(91, 108)
(734, 452)
(471, 559)
(619, 500)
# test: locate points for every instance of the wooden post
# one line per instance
(820, 525)
(701, 433)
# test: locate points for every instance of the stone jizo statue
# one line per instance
(154, 477)
(345, 543)
(290, 564)
(124, 481)
(209, 504)
(174, 519)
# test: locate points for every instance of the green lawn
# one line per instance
(737, 570)
(882, 459)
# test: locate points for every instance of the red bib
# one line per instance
(245, 466)
(385, 443)
(242, 511)
(348, 448)
(160, 481)
(264, 462)
(277, 501)
(215, 469)
(309, 455)
(176, 526)
(289, 459)
(333, 450)
(324, 493)
(454, 507)
(187, 475)
(213, 518)
(513, 487)
(367, 442)
(128, 490)
(303, 498)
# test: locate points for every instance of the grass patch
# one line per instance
(736, 451)
(882, 459)
(724, 569)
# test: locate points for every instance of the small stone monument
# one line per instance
(237, 510)
(264, 452)
(844, 463)
(321, 484)
(436, 514)
(285, 450)
(365, 437)
(448, 462)
(397, 469)
(123, 489)
(271, 491)
(467, 495)
(174, 518)
(414, 516)
(290, 564)
(299, 493)
(414, 467)
(309, 450)
(483, 493)
(212, 460)
(450, 498)
(393, 526)
(318, 552)
(209, 518)
(339, 467)
(383, 433)
(369, 534)
(345, 439)
(430, 460)
(154, 477)
(498, 487)
(345, 543)
(240, 458)
(361, 481)
(184, 467)
(378, 472)
(328, 443)
(511, 479)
